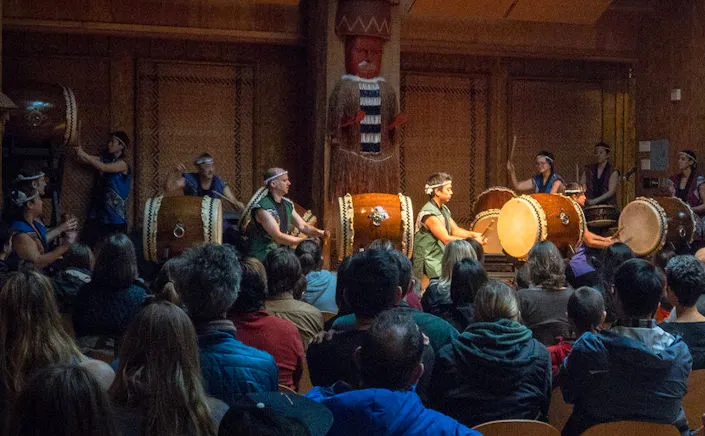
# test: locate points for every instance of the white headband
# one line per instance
(21, 178)
(20, 198)
(429, 188)
(117, 138)
(574, 191)
(274, 177)
(548, 158)
(688, 156)
(204, 160)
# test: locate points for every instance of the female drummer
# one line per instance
(547, 181)
(576, 191)
(690, 187)
(435, 228)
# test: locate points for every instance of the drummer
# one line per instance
(547, 181)
(202, 183)
(272, 216)
(577, 193)
(28, 180)
(600, 179)
(435, 228)
(690, 187)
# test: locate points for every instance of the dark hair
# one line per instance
(6, 234)
(612, 258)
(381, 244)
(546, 266)
(116, 265)
(122, 136)
(663, 256)
(405, 270)
(209, 281)
(437, 179)
(585, 307)
(309, 253)
(495, 300)
(163, 287)
(340, 285)
(391, 351)
(78, 256)
(604, 145)
(685, 276)
(638, 285)
(371, 282)
(284, 273)
(521, 276)
(61, 400)
(479, 251)
(550, 158)
(246, 419)
(468, 277)
(253, 287)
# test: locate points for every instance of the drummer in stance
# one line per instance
(435, 228)
(577, 193)
(547, 181)
(271, 217)
(202, 183)
(600, 179)
(689, 186)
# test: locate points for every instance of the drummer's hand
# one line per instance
(479, 238)
(181, 168)
(325, 234)
(69, 225)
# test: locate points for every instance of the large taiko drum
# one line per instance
(366, 217)
(647, 224)
(485, 222)
(528, 219)
(601, 216)
(46, 114)
(492, 198)
(174, 224)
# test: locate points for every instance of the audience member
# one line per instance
(436, 299)
(468, 277)
(389, 362)
(612, 258)
(586, 310)
(685, 277)
(77, 267)
(543, 305)
(257, 328)
(61, 400)
(209, 283)
(285, 285)
(340, 302)
(478, 249)
(494, 369)
(633, 371)
(158, 388)
(320, 283)
(522, 279)
(163, 287)
(661, 259)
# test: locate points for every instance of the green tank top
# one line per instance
(428, 250)
(261, 242)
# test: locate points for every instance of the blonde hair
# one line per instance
(455, 251)
(495, 301)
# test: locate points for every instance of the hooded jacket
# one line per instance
(320, 290)
(626, 373)
(493, 370)
(384, 412)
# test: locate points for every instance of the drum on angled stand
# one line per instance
(601, 219)
(492, 198)
(486, 223)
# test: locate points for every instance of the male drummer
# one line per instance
(600, 179)
(202, 183)
(272, 216)
(435, 228)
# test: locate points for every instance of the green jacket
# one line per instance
(428, 250)
(261, 242)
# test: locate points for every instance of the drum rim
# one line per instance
(71, 115)
(483, 214)
(581, 220)
(662, 218)
(246, 218)
(150, 227)
(209, 216)
(540, 215)
(692, 216)
(488, 190)
(346, 228)
(407, 225)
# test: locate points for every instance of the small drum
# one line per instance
(493, 198)
(366, 217)
(47, 115)
(174, 224)
(486, 223)
(601, 216)
(528, 219)
(647, 224)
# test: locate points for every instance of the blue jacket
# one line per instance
(231, 368)
(384, 412)
(626, 373)
(320, 290)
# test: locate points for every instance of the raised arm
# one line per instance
(270, 225)
(119, 166)
(524, 185)
(228, 193)
(175, 180)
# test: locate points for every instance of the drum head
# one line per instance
(519, 226)
(486, 223)
(643, 226)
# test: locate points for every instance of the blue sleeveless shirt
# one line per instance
(539, 187)
(193, 186)
(24, 227)
(110, 205)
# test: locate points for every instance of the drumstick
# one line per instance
(511, 152)
(487, 229)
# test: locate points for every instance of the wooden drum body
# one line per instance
(174, 224)
(647, 224)
(601, 216)
(486, 223)
(528, 219)
(493, 198)
(366, 217)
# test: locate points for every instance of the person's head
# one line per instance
(159, 368)
(309, 253)
(206, 165)
(363, 56)
(277, 181)
(546, 266)
(390, 355)
(495, 300)
(586, 310)
(118, 143)
(687, 159)
(468, 277)
(253, 287)
(61, 400)
(284, 274)
(340, 286)
(371, 283)
(522, 278)
(381, 244)
(576, 191)
(32, 180)
(455, 251)
(25, 204)
(477, 248)
(637, 287)
(29, 317)
(602, 152)
(164, 284)
(685, 276)
(79, 256)
(663, 256)
(439, 187)
(544, 162)
(116, 265)
(209, 281)
(6, 234)
(612, 258)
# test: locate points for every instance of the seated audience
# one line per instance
(343, 308)
(479, 250)
(633, 371)
(61, 400)
(158, 389)
(106, 305)
(612, 258)
(468, 277)
(522, 278)
(209, 282)
(163, 287)
(257, 328)
(494, 369)
(543, 305)
(320, 283)
(389, 362)
(285, 285)
(77, 267)
(436, 299)
(685, 277)
(661, 259)
(6, 234)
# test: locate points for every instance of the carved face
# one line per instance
(363, 56)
